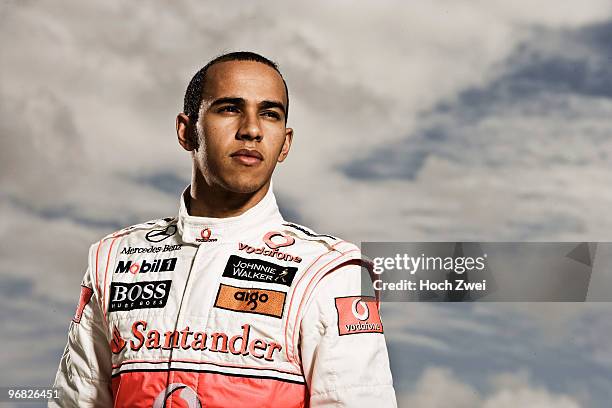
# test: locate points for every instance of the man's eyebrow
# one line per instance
(241, 102)
(272, 104)
(232, 100)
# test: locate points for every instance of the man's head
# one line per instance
(193, 94)
(234, 122)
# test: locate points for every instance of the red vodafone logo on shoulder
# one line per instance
(275, 239)
(358, 305)
(358, 314)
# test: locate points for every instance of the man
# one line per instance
(226, 305)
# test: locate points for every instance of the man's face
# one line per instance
(241, 126)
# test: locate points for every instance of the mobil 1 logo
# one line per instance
(257, 270)
(138, 295)
(157, 265)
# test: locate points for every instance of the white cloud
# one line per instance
(440, 387)
(360, 76)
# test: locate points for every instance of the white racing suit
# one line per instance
(247, 311)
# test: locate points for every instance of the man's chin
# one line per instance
(245, 186)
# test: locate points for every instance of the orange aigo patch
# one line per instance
(251, 300)
(358, 314)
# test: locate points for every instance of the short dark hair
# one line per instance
(193, 94)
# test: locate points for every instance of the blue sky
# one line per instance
(429, 121)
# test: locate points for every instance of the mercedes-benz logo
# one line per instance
(161, 234)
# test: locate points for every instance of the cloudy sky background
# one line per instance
(439, 120)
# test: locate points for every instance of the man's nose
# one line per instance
(249, 128)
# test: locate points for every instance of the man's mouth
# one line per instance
(247, 157)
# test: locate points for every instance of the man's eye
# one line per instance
(271, 114)
(228, 108)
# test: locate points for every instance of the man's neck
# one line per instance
(215, 202)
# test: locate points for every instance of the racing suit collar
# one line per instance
(197, 230)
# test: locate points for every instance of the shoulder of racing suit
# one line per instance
(329, 255)
(144, 226)
(308, 236)
(99, 251)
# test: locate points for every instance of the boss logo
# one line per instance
(138, 295)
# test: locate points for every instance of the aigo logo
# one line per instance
(251, 298)
(285, 240)
(261, 301)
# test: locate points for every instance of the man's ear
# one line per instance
(186, 132)
(286, 145)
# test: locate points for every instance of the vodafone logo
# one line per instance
(358, 314)
(205, 234)
(275, 239)
(364, 314)
(175, 391)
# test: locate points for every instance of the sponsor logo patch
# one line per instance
(158, 235)
(138, 295)
(150, 250)
(257, 270)
(275, 239)
(157, 265)
(240, 343)
(251, 300)
(358, 314)
(272, 253)
(84, 299)
(205, 236)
